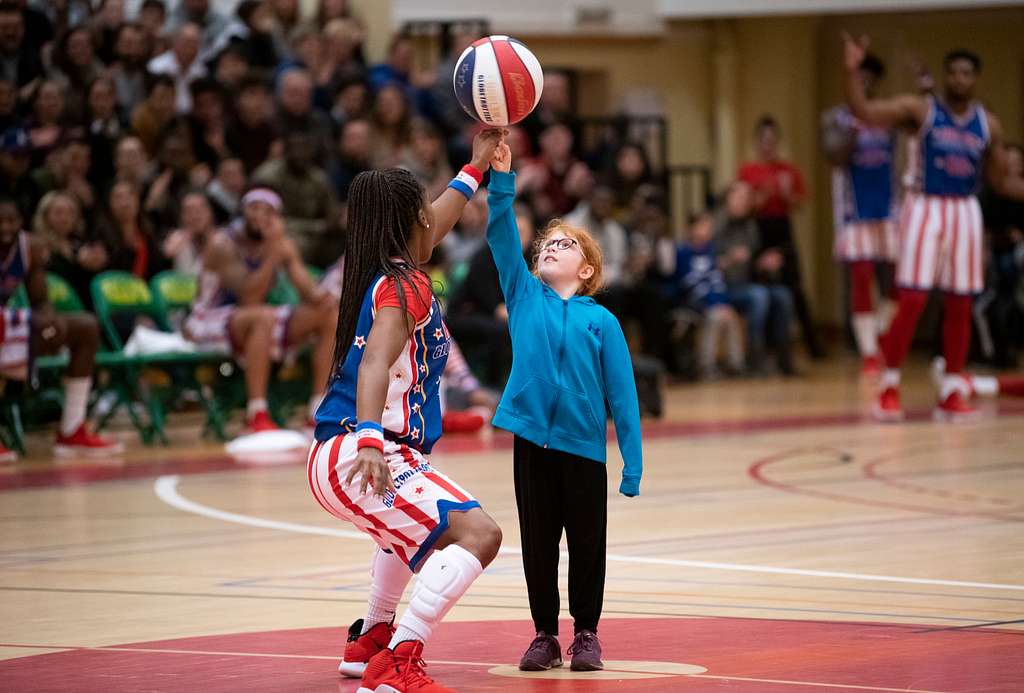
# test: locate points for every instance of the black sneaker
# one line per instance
(542, 654)
(586, 652)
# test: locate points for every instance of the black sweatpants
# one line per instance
(554, 491)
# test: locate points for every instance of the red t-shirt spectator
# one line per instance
(770, 179)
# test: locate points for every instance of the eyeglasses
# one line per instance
(560, 243)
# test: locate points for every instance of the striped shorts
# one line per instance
(874, 241)
(15, 333)
(209, 329)
(407, 522)
(941, 244)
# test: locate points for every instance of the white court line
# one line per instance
(166, 489)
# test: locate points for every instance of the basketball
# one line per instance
(498, 81)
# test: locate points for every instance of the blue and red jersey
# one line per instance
(14, 267)
(952, 150)
(862, 190)
(412, 410)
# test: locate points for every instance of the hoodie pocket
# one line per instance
(533, 400)
(574, 417)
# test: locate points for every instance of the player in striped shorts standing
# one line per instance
(940, 224)
(862, 201)
(381, 417)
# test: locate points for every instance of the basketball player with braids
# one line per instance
(381, 417)
(940, 225)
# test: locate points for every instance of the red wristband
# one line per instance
(473, 171)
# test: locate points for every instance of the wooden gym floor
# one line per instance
(782, 542)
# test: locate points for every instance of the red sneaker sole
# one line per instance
(353, 670)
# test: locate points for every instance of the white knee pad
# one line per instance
(442, 580)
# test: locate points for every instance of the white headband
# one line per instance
(265, 195)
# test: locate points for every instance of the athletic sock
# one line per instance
(389, 575)
(443, 579)
(896, 342)
(76, 399)
(865, 329)
(890, 378)
(254, 407)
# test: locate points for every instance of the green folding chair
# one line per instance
(173, 293)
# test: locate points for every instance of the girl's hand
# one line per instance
(375, 473)
(484, 147)
(502, 159)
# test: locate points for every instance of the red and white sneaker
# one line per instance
(887, 409)
(85, 442)
(7, 456)
(871, 366)
(260, 422)
(361, 647)
(955, 409)
(405, 672)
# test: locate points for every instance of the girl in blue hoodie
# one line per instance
(569, 358)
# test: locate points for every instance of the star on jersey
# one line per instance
(419, 490)
(423, 369)
(416, 407)
(415, 433)
(438, 333)
(359, 342)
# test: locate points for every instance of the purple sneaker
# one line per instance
(586, 652)
(544, 652)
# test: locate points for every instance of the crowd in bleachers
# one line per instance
(128, 140)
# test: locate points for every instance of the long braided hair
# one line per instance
(382, 209)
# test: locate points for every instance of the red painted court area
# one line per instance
(742, 655)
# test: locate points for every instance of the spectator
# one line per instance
(226, 188)
(206, 123)
(184, 246)
(15, 163)
(768, 308)
(477, 314)
(286, 17)
(58, 222)
(230, 68)
(75, 67)
(252, 33)
(425, 158)
(555, 107)
(152, 17)
(391, 125)
(778, 191)
(999, 311)
(128, 69)
(468, 236)
(20, 61)
(699, 285)
(128, 238)
(556, 178)
(177, 172)
(308, 53)
(596, 216)
(332, 10)
(446, 108)
(631, 172)
(398, 68)
(181, 64)
(46, 127)
(295, 110)
(151, 116)
(131, 163)
(354, 151)
(252, 132)
(343, 40)
(105, 129)
(67, 168)
(199, 13)
(103, 28)
(310, 208)
(351, 101)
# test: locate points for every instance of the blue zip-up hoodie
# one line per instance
(569, 357)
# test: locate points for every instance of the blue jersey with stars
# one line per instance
(412, 410)
(14, 267)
